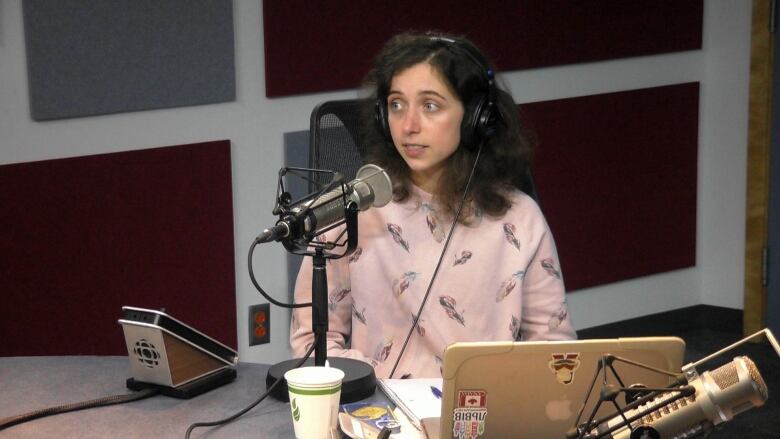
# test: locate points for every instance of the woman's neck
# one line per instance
(429, 184)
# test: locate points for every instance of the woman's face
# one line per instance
(424, 115)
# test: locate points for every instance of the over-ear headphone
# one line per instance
(480, 115)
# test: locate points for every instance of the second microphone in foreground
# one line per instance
(719, 396)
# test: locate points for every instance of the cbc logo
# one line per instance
(146, 353)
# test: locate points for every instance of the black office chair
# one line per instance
(335, 143)
(334, 140)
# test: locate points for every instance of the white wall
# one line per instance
(255, 125)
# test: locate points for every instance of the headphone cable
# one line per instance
(438, 264)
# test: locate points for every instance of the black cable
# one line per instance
(260, 289)
(251, 406)
(438, 264)
(100, 402)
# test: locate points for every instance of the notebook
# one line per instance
(534, 390)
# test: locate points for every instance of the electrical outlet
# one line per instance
(259, 324)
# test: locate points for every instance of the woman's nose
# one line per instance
(411, 123)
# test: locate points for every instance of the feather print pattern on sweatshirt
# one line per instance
(500, 280)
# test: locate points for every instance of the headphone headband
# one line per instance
(489, 75)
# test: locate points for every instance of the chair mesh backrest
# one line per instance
(335, 141)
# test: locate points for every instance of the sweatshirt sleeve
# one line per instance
(339, 311)
(545, 312)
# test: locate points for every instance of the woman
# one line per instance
(451, 142)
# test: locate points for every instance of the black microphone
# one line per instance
(371, 188)
(719, 395)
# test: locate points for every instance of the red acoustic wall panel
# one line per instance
(616, 175)
(81, 237)
(321, 46)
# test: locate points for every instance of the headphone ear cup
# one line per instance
(380, 117)
(478, 122)
(488, 117)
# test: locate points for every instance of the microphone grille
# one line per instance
(756, 377)
(727, 375)
(379, 182)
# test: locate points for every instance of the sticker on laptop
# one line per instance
(468, 417)
(564, 366)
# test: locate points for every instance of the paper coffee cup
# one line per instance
(314, 400)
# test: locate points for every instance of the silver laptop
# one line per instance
(534, 390)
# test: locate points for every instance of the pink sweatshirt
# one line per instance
(500, 280)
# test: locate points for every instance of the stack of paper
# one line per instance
(419, 399)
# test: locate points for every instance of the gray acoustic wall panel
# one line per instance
(89, 57)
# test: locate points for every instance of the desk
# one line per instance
(33, 383)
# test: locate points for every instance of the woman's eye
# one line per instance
(394, 105)
(430, 106)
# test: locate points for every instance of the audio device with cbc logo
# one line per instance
(173, 357)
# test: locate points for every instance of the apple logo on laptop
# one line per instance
(558, 409)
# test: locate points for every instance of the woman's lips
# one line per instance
(413, 150)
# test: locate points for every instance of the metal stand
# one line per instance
(359, 379)
(319, 308)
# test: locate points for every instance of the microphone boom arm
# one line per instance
(690, 369)
(610, 392)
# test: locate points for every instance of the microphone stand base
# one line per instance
(359, 379)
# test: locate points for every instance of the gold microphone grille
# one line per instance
(725, 376)
(756, 377)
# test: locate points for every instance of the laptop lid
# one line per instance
(534, 390)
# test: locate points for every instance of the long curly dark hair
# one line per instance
(506, 153)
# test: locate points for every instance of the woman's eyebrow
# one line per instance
(423, 92)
